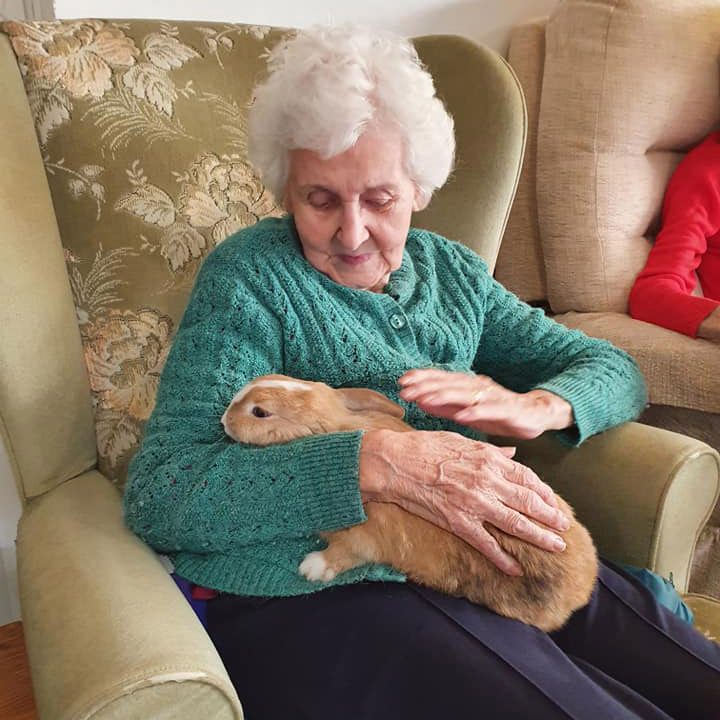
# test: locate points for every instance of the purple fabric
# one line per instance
(384, 651)
(199, 606)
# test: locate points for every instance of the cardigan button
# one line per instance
(397, 321)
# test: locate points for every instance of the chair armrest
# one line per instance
(645, 494)
(108, 633)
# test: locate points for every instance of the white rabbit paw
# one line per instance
(315, 568)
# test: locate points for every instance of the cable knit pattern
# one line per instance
(239, 518)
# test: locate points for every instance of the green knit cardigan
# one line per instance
(239, 518)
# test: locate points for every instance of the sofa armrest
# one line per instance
(645, 494)
(108, 633)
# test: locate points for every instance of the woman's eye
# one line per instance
(259, 412)
(320, 201)
(381, 203)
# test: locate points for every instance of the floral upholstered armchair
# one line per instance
(124, 154)
(147, 170)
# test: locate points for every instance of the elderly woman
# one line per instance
(348, 132)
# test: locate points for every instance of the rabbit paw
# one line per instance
(315, 568)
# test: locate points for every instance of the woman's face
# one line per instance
(352, 211)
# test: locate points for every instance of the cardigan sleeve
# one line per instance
(523, 349)
(662, 291)
(190, 487)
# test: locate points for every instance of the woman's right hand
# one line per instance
(459, 484)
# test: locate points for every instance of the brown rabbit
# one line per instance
(276, 408)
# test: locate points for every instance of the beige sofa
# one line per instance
(617, 91)
(123, 152)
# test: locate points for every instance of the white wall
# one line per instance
(486, 21)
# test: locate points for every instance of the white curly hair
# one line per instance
(324, 89)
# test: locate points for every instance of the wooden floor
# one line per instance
(16, 700)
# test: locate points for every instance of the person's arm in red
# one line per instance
(691, 214)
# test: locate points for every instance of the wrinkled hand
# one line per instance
(459, 484)
(477, 401)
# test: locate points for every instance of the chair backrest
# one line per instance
(628, 87)
(520, 264)
(486, 101)
(141, 131)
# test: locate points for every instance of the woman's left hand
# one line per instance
(480, 403)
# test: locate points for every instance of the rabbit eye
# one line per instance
(258, 412)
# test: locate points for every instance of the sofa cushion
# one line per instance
(680, 371)
(629, 86)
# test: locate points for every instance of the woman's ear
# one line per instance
(421, 200)
(363, 400)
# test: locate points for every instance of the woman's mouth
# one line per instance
(355, 259)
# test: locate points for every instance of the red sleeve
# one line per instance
(690, 215)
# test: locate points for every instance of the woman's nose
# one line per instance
(352, 232)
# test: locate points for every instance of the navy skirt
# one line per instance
(389, 651)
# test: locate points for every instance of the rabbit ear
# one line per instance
(361, 399)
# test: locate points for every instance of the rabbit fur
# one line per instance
(276, 409)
